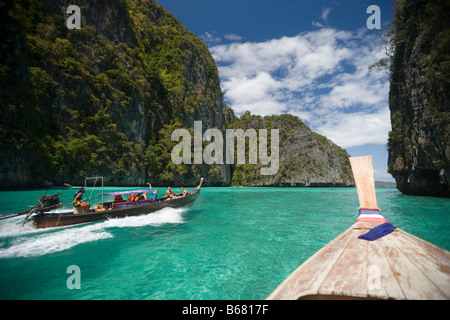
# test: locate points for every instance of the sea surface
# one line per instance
(233, 243)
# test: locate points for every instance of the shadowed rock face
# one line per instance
(419, 100)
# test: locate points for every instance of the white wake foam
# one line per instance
(17, 241)
(166, 215)
(53, 242)
(13, 227)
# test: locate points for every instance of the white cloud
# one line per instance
(382, 174)
(352, 93)
(258, 94)
(317, 24)
(321, 76)
(233, 37)
(325, 13)
(355, 129)
(323, 17)
(210, 38)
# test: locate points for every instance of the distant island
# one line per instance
(385, 184)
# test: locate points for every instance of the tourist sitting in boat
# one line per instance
(153, 194)
(143, 196)
(130, 198)
(99, 207)
(169, 193)
(118, 199)
(184, 192)
(133, 197)
(79, 205)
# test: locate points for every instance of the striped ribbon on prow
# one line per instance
(370, 215)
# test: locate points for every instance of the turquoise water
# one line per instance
(233, 243)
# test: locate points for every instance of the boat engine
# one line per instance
(49, 201)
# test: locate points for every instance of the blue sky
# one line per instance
(309, 58)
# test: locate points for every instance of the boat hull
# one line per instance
(123, 210)
(398, 266)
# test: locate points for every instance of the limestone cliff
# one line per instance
(100, 99)
(306, 159)
(419, 98)
(105, 99)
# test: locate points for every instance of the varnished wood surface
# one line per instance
(397, 266)
(362, 169)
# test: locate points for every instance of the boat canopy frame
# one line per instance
(117, 193)
(95, 182)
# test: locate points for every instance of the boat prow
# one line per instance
(397, 265)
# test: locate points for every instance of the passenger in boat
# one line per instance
(170, 193)
(133, 197)
(153, 194)
(118, 199)
(77, 202)
(184, 192)
(99, 207)
(130, 198)
(142, 196)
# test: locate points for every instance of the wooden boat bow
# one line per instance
(395, 266)
(112, 209)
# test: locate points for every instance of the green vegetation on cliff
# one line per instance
(105, 99)
(98, 100)
(419, 98)
(306, 158)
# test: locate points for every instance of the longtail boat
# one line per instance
(397, 265)
(113, 209)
